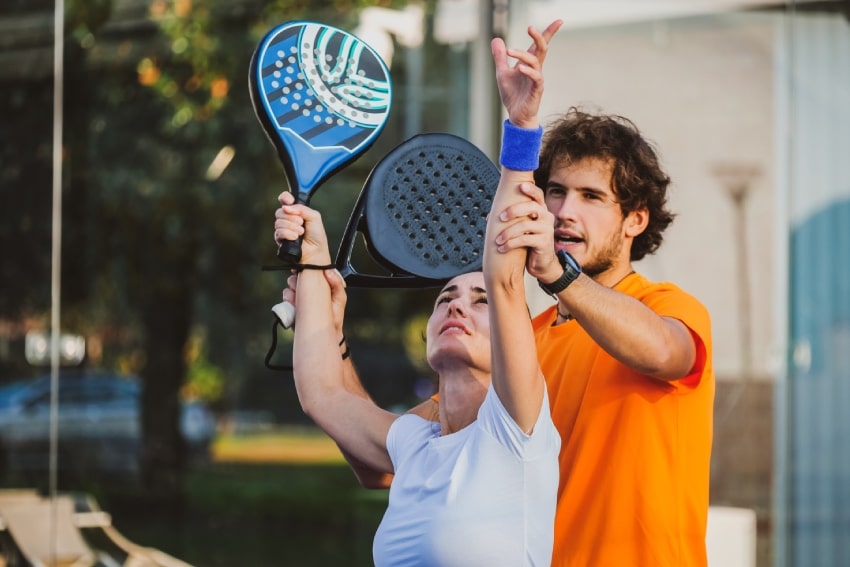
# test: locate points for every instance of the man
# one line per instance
(627, 361)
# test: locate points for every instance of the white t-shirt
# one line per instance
(481, 497)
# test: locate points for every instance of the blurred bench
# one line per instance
(69, 531)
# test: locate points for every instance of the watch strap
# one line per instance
(571, 272)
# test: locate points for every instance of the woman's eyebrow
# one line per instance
(448, 289)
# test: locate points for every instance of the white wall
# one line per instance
(702, 89)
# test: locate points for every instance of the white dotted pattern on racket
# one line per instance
(336, 80)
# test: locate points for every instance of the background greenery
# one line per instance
(162, 267)
(282, 497)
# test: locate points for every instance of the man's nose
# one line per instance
(567, 207)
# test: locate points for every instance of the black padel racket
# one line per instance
(422, 213)
(322, 96)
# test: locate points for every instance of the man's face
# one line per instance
(589, 222)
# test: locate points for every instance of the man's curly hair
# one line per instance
(637, 178)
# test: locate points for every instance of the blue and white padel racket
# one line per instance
(322, 96)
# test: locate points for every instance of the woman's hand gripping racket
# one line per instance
(323, 97)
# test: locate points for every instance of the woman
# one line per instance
(478, 486)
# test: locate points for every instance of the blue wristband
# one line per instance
(520, 147)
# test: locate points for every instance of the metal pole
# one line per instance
(785, 421)
(56, 258)
(483, 111)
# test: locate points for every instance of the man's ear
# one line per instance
(636, 222)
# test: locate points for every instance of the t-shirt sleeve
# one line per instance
(406, 434)
(496, 420)
(689, 310)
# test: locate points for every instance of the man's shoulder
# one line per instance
(670, 300)
(642, 287)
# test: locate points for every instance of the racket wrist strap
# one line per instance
(520, 147)
(298, 267)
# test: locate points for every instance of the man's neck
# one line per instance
(612, 278)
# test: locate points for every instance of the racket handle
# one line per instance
(285, 312)
(289, 252)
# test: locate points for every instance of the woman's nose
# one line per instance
(456, 306)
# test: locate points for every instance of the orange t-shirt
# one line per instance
(635, 451)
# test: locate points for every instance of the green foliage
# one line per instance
(261, 515)
(153, 92)
(194, 71)
(205, 380)
(86, 16)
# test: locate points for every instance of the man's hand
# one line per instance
(533, 227)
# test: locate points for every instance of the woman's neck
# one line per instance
(461, 395)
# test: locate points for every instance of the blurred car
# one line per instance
(98, 424)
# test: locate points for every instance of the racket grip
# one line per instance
(285, 313)
(289, 252)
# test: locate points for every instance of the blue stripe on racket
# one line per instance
(323, 97)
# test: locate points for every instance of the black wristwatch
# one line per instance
(571, 272)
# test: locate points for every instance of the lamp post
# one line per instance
(377, 28)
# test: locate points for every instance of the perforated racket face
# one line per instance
(427, 203)
(322, 95)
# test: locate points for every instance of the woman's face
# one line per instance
(458, 331)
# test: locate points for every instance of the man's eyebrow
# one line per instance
(593, 190)
(448, 288)
(479, 290)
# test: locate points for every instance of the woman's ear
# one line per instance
(636, 222)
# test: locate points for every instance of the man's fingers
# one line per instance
(524, 229)
(534, 192)
(520, 240)
(518, 210)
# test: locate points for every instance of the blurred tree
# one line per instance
(155, 251)
(174, 237)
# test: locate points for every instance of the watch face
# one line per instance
(571, 272)
(567, 260)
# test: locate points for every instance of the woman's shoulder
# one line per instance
(411, 426)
